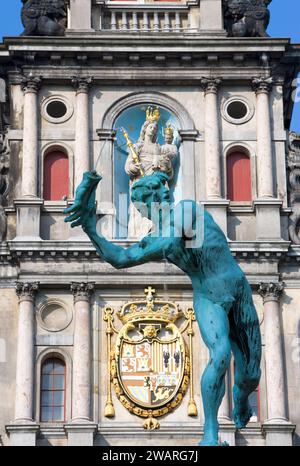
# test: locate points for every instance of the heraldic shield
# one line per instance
(150, 363)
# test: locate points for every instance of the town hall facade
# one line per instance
(223, 92)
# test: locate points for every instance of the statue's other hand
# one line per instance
(83, 210)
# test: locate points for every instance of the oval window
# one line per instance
(237, 110)
(56, 109)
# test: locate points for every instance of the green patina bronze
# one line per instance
(222, 296)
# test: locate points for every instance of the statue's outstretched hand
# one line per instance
(83, 211)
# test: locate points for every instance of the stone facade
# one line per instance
(110, 58)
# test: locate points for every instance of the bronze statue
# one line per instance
(44, 17)
(223, 301)
(246, 18)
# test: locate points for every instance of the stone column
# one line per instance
(81, 399)
(30, 87)
(105, 153)
(212, 138)
(274, 363)
(23, 429)
(81, 430)
(29, 205)
(268, 224)
(25, 351)
(82, 130)
(262, 87)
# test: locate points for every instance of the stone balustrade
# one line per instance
(141, 18)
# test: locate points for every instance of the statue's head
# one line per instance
(149, 190)
(149, 129)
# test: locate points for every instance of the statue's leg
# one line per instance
(214, 327)
(246, 347)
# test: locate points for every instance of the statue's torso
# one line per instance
(211, 267)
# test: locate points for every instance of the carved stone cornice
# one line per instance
(262, 85)
(82, 84)
(31, 83)
(210, 85)
(271, 291)
(82, 290)
(26, 291)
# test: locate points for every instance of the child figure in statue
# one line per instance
(222, 296)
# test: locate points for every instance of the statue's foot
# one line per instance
(242, 415)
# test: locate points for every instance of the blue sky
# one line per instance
(285, 22)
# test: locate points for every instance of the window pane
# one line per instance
(47, 382)
(58, 398)
(58, 413)
(47, 398)
(47, 367)
(59, 382)
(59, 367)
(46, 414)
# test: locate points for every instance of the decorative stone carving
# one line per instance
(294, 185)
(26, 290)
(271, 291)
(44, 17)
(31, 83)
(210, 84)
(82, 290)
(54, 316)
(246, 18)
(82, 84)
(262, 85)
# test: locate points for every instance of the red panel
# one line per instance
(56, 176)
(239, 177)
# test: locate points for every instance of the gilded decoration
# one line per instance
(150, 363)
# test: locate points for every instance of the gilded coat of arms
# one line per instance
(150, 363)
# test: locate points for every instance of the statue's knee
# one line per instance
(221, 358)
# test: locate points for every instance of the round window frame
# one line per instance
(237, 121)
(54, 98)
(43, 306)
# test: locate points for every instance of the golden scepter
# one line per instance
(134, 154)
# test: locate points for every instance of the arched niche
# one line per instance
(129, 112)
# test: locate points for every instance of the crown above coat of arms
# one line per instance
(152, 114)
(149, 309)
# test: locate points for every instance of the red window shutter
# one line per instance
(56, 176)
(239, 177)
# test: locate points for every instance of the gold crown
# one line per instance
(169, 130)
(152, 114)
(149, 309)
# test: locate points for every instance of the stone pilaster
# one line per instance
(82, 352)
(268, 226)
(81, 430)
(29, 205)
(82, 162)
(30, 86)
(274, 363)
(262, 88)
(82, 129)
(23, 429)
(212, 138)
(80, 18)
